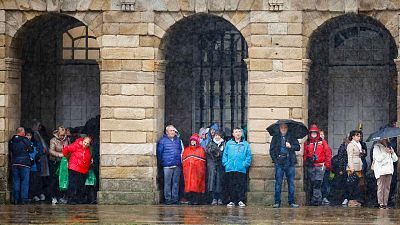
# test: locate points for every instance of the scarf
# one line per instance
(218, 142)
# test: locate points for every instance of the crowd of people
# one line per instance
(347, 178)
(214, 171)
(54, 171)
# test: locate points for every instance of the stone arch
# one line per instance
(330, 68)
(35, 56)
(165, 22)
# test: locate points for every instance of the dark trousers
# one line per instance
(35, 184)
(20, 179)
(53, 185)
(236, 183)
(76, 187)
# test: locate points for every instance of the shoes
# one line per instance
(276, 205)
(36, 199)
(382, 207)
(54, 201)
(241, 204)
(42, 197)
(62, 201)
(345, 202)
(214, 202)
(220, 202)
(293, 205)
(230, 205)
(325, 201)
(354, 203)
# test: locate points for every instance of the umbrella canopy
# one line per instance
(384, 133)
(296, 129)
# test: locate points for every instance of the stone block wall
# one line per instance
(132, 67)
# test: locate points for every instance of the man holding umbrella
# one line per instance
(284, 144)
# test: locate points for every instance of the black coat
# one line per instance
(275, 148)
(20, 147)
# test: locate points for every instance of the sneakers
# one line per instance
(276, 205)
(354, 203)
(62, 201)
(293, 205)
(42, 197)
(230, 205)
(214, 202)
(220, 202)
(325, 201)
(36, 199)
(345, 202)
(241, 204)
(54, 201)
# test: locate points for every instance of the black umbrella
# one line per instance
(384, 133)
(296, 129)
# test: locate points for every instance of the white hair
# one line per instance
(170, 127)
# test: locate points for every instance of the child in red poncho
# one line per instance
(194, 170)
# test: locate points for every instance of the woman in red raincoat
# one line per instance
(194, 169)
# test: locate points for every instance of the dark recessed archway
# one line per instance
(206, 76)
(352, 79)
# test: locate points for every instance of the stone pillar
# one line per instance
(397, 62)
(10, 111)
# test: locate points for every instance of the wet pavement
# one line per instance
(121, 214)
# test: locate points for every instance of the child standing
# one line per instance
(236, 159)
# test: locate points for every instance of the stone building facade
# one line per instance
(291, 48)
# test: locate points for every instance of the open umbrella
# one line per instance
(296, 129)
(384, 133)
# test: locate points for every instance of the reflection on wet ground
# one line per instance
(117, 214)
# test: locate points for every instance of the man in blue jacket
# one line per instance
(20, 147)
(236, 160)
(282, 151)
(169, 150)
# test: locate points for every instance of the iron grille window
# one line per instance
(210, 54)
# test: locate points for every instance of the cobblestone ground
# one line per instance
(116, 214)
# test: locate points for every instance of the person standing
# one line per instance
(354, 168)
(79, 163)
(194, 170)
(215, 170)
(57, 143)
(236, 160)
(39, 137)
(383, 159)
(317, 158)
(282, 151)
(20, 147)
(35, 181)
(169, 150)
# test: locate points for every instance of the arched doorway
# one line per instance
(353, 78)
(59, 79)
(206, 76)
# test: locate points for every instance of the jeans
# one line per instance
(171, 184)
(326, 185)
(53, 185)
(280, 172)
(20, 178)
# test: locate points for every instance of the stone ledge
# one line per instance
(127, 185)
(126, 198)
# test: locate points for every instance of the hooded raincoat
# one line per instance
(194, 167)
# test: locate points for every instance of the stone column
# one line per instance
(10, 111)
(397, 62)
